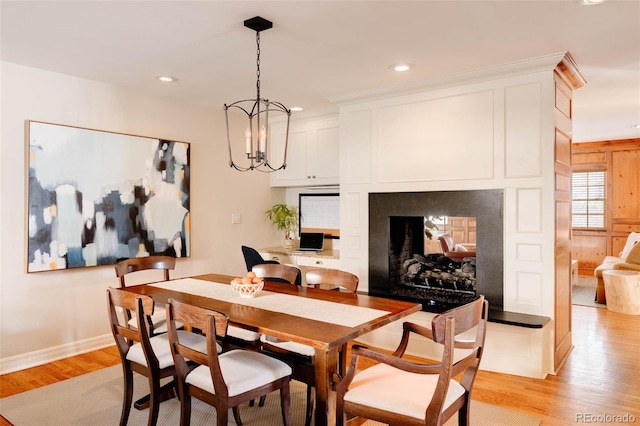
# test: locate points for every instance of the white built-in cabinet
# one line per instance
(304, 261)
(312, 152)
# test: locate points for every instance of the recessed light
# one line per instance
(166, 78)
(296, 109)
(400, 67)
(636, 126)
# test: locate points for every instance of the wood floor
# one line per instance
(600, 378)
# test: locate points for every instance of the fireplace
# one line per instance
(399, 268)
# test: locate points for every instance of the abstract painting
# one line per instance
(95, 197)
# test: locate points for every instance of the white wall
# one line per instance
(55, 314)
(491, 129)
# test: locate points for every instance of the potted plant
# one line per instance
(285, 218)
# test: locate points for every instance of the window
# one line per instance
(588, 201)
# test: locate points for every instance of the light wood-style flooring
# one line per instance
(601, 376)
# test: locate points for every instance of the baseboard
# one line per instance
(44, 356)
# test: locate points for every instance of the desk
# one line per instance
(327, 339)
(305, 261)
(323, 259)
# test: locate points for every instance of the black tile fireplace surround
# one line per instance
(485, 205)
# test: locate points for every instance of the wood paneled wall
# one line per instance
(562, 200)
(621, 160)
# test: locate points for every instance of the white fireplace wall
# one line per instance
(475, 131)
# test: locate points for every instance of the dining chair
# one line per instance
(223, 380)
(299, 356)
(401, 391)
(238, 337)
(241, 338)
(158, 321)
(252, 257)
(142, 353)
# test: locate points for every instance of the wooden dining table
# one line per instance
(327, 320)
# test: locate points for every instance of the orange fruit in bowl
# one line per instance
(256, 280)
(246, 280)
(237, 281)
(251, 274)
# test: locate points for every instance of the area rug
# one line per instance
(94, 399)
(584, 292)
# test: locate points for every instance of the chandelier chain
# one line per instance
(258, 62)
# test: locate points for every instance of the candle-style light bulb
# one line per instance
(247, 136)
(263, 139)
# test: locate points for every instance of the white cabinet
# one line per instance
(312, 152)
(318, 262)
(326, 259)
(282, 258)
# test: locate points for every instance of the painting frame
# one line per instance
(96, 197)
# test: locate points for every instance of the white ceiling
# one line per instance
(320, 49)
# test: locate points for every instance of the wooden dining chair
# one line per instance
(157, 321)
(222, 380)
(142, 353)
(238, 337)
(401, 391)
(298, 355)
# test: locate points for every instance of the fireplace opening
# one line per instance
(420, 265)
(408, 262)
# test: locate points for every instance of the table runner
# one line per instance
(317, 310)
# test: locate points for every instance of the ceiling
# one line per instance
(320, 49)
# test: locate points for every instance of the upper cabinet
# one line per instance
(312, 153)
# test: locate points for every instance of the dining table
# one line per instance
(327, 320)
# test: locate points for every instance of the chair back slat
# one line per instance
(128, 266)
(278, 272)
(466, 316)
(127, 300)
(196, 317)
(335, 277)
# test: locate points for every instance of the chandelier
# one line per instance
(257, 140)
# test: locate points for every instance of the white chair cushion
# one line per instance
(162, 350)
(296, 347)
(242, 371)
(243, 334)
(397, 391)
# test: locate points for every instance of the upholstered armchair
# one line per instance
(628, 259)
(450, 250)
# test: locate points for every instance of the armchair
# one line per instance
(449, 248)
(398, 391)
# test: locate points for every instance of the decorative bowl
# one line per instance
(247, 290)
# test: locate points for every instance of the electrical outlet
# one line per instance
(236, 218)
